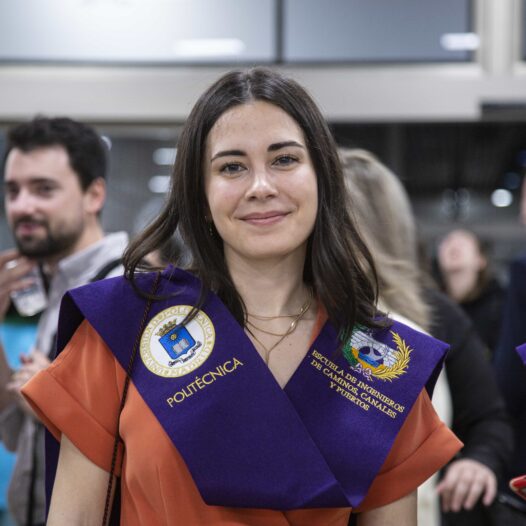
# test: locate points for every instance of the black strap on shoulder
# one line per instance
(112, 510)
(106, 269)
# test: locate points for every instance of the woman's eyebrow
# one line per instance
(226, 153)
(285, 144)
(272, 148)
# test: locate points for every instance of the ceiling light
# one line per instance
(501, 198)
(460, 41)
(164, 156)
(159, 184)
(208, 47)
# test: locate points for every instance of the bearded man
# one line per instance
(55, 188)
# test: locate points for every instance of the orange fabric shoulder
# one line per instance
(69, 398)
(423, 445)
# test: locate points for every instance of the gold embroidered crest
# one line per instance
(170, 349)
(375, 359)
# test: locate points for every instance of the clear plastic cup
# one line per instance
(32, 299)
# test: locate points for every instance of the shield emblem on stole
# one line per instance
(177, 342)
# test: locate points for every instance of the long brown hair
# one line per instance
(338, 264)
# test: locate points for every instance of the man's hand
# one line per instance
(10, 280)
(11, 277)
(31, 365)
(463, 484)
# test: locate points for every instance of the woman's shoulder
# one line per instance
(114, 303)
(396, 326)
(401, 328)
(400, 319)
(117, 284)
(108, 303)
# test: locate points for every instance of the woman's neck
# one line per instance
(460, 284)
(269, 288)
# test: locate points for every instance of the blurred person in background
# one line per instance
(400, 284)
(277, 280)
(469, 484)
(465, 274)
(511, 373)
(54, 184)
(18, 334)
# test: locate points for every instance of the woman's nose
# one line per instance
(262, 185)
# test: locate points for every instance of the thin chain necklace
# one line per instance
(297, 317)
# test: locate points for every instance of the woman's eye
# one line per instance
(231, 168)
(285, 160)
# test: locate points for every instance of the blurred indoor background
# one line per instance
(436, 89)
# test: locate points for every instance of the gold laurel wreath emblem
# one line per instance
(403, 352)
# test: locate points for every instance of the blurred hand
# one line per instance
(11, 278)
(465, 481)
(31, 365)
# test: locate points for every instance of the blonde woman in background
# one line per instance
(385, 219)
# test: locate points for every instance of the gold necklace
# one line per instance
(286, 333)
(304, 307)
(297, 317)
(265, 318)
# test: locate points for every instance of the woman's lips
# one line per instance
(266, 218)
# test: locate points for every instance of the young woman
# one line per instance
(465, 273)
(264, 389)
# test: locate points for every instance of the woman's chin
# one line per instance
(261, 252)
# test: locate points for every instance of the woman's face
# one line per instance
(459, 251)
(260, 183)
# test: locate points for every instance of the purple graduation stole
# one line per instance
(319, 442)
(521, 350)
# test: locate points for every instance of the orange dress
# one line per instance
(79, 394)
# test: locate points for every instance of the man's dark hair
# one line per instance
(86, 150)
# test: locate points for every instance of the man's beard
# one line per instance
(52, 244)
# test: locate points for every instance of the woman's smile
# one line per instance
(264, 218)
